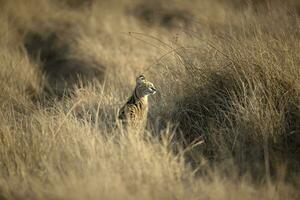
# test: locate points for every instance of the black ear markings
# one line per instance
(141, 77)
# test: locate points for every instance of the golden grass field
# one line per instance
(224, 124)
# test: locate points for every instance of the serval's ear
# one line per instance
(140, 78)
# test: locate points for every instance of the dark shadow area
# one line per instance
(77, 4)
(242, 4)
(211, 112)
(155, 14)
(62, 71)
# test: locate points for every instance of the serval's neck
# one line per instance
(137, 98)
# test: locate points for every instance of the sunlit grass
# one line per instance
(223, 125)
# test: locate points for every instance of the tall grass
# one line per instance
(224, 124)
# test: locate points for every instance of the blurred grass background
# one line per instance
(225, 123)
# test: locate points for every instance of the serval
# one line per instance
(134, 112)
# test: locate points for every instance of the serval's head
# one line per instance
(144, 87)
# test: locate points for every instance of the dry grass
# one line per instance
(228, 75)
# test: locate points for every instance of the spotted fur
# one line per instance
(134, 112)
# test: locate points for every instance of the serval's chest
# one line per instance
(134, 113)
